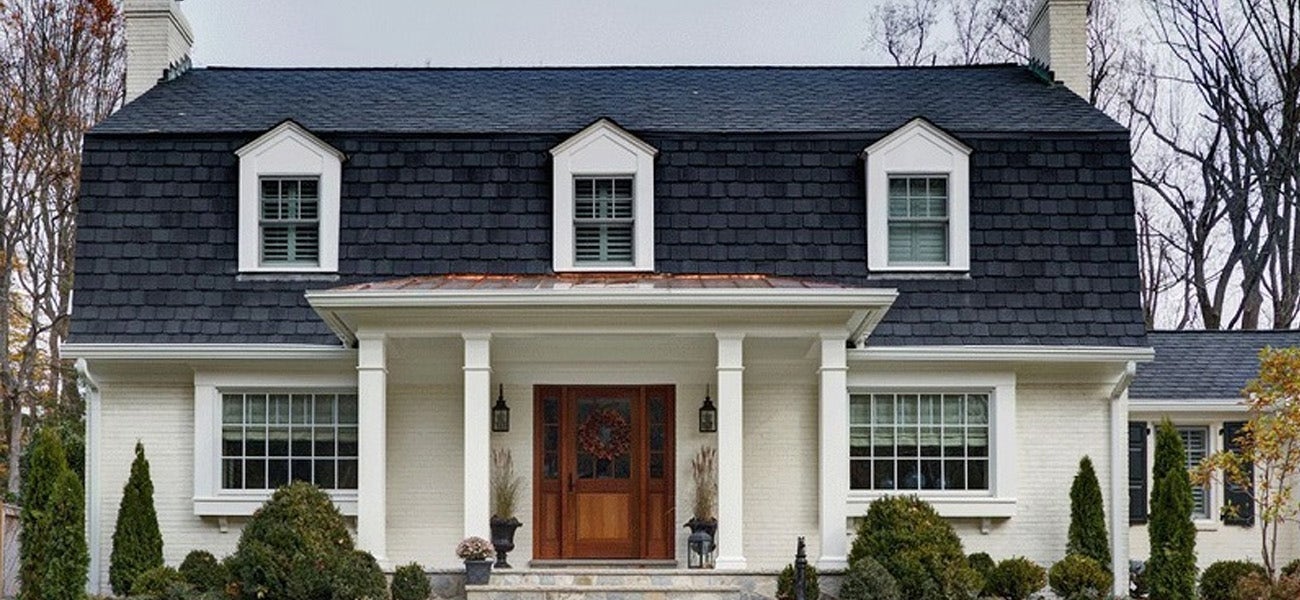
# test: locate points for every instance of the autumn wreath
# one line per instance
(605, 434)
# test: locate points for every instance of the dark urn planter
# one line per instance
(503, 538)
(477, 571)
(709, 526)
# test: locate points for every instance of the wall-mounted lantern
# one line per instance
(501, 412)
(708, 414)
(699, 550)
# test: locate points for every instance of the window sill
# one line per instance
(947, 506)
(288, 276)
(1207, 525)
(244, 505)
(604, 269)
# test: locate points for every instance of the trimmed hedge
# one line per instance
(1220, 579)
(867, 580)
(1078, 577)
(917, 547)
(984, 565)
(410, 583)
(137, 541)
(1016, 579)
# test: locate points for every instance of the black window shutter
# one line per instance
(1137, 472)
(1239, 509)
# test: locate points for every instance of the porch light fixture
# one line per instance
(708, 414)
(699, 550)
(500, 412)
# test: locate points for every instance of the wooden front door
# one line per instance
(603, 472)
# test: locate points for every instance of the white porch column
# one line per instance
(478, 433)
(833, 457)
(372, 442)
(731, 452)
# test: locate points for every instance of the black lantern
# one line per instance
(501, 412)
(708, 415)
(699, 550)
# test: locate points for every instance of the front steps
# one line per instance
(623, 584)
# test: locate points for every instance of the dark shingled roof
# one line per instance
(993, 98)
(1204, 365)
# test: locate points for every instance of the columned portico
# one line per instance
(731, 451)
(833, 451)
(372, 442)
(478, 436)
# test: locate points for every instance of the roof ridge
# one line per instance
(1004, 65)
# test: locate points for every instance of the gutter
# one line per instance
(1006, 353)
(89, 388)
(205, 352)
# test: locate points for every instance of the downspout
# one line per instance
(1119, 480)
(89, 389)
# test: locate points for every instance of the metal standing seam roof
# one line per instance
(1204, 365)
(982, 98)
(663, 281)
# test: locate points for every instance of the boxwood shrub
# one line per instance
(1016, 579)
(867, 580)
(410, 583)
(1220, 580)
(917, 547)
(1077, 577)
(297, 547)
(203, 571)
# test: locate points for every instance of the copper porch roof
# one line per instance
(589, 280)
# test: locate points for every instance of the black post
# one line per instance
(800, 565)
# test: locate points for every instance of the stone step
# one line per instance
(602, 592)
(657, 578)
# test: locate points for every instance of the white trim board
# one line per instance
(155, 352)
(1002, 353)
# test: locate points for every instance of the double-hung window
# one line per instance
(271, 439)
(290, 221)
(1196, 444)
(603, 221)
(919, 441)
(918, 220)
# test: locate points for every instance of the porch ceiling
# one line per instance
(601, 303)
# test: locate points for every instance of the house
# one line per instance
(1196, 382)
(887, 280)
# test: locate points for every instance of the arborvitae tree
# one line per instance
(137, 542)
(53, 550)
(65, 569)
(1088, 517)
(1171, 570)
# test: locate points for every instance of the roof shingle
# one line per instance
(989, 98)
(1204, 365)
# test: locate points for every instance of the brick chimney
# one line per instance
(158, 41)
(1058, 41)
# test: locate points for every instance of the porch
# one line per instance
(435, 355)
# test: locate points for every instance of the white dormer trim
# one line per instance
(603, 148)
(918, 148)
(288, 150)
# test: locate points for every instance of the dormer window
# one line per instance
(918, 221)
(918, 201)
(290, 221)
(289, 188)
(603, 199)
(604, 223)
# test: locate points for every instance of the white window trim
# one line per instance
(603, 149)
(917, 149)
(209, 497)
(1000, 500)
(288, 150)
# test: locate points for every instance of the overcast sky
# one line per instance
(386, 33)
